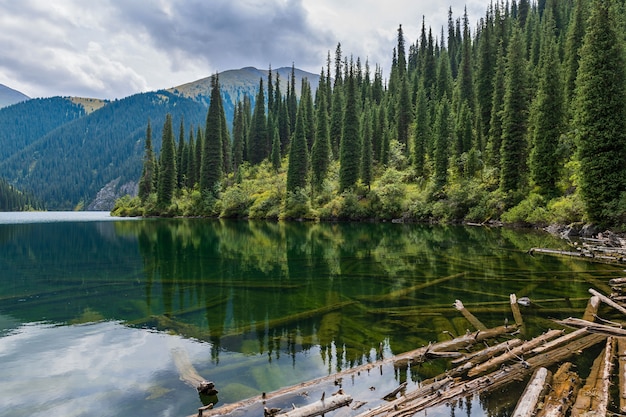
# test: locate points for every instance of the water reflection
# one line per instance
(348, 293)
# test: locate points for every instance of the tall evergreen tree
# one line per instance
(321, 152)
(298, 155)
(180, 172)
(547, 117)
(238, 136)
(257, 140)
(513, 151)
(421, 134)
(367, 154)
(600, 117)
(212, 157)
(167, 165)
(573, 43)
(191, 161)
(350, 154)
(404, 113)
(494, 140)
(443, 130)
(146, 181)
(276, 154)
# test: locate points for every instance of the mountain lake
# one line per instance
(94, 310)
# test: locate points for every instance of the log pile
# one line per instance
(605, 247)
(479, 362)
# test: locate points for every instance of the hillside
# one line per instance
(66, 166)
(236, 84)
(10, 96)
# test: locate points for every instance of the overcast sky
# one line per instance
(115, 48)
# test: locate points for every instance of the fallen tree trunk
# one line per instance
(321, 407)
(565, 385)
(458, 304)
(513, 354)
(592, 308)
(621, 349)
(593, 327)
(534, 392)
(608, 301)
(517, 315)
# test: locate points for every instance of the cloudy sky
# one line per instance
(114, 48)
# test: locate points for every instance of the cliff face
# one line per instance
(105, 199)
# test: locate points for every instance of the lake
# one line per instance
(94, 310)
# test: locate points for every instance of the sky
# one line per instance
(115, 48)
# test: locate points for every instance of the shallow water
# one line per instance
(92, 307)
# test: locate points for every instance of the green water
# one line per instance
(92, 311)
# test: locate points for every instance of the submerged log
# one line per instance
(458, 304)
(533, 393)
(188, 373)
(514, 354)
(517, 315)
(608, 301)
(565, 385)
(321, 407)
(592, 308)
(405, 291)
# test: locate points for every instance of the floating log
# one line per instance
(513, 354)
(565, 385)
(582, 404)
(517, 315)
(593, 327)
(478, 325)
(600, 403)
(486, 353)
(534, 392)
(560, 341)
(621, 349)
(405, 291)
(608, 301)
(392, 395)
(592, 308)
(617, 282)
(318, 408)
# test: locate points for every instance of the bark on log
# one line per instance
(565, 385)
(592, 308)
(534, 392)
(486, 353)
(593, 327)
(485, 383)
(513, 354)
(601, 403)
(560, 341)
(478, 325)
(621, 349)
(318, 408)
(583, 399)
(608, 301)
(617, 282)
(517, 315)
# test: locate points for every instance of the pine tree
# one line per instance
(336, 120)
(513, 149)
(466, 81)
(441, 155)
(147, 180)
(180, 172)
(321, 152)
(547, 118)
(573, 43)
(422, 133)
(167, 166)
(257, 139)
(494, 140)
(238, 136)
(212, 157)
(298, 155)
(350, 154)
(600, 117)
(191, 162)
(367, 164)
(404, 113)
(276, 155)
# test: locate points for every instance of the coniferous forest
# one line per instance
(520, 117)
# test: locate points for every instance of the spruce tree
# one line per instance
(167, 166)
(238, 136)
(298, 155)
(367, 154)
(180, 172)
(350, 154)
(421, 134)
(258, 138)
(547, 122)
(513, 151)
(191, 162)
(212, 157)
(404, 113)
(276, 154)
(321, 152)
(146, 181)
(600, 117)
(441, 154)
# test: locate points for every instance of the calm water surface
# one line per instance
(94, 310)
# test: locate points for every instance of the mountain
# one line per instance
(236, 84)
(74, 152)
(67, 166)
(10, 96)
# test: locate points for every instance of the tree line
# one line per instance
(521, 119)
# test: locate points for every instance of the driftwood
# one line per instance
(565, 385)
(486, 353)
(321, 407)
(534, 392)
(517, 315)
(593, 398)
(592, 308)
(458, 304)
(608, 301)
(514, 354)
(593, 327)
(560, 341)
(621, 349)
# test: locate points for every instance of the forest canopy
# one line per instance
(520, 119)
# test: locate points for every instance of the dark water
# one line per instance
(92, 313)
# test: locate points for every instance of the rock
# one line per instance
(105, 199)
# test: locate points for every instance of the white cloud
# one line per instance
(112, 48)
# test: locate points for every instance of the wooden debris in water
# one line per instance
(321, 407)
(532, 395)
(565, 385)
(517, 315)
(458, 304)
(621, 355)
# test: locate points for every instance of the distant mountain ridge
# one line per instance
(9, 96)
(66, 150)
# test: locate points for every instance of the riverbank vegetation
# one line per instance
(519, 120)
